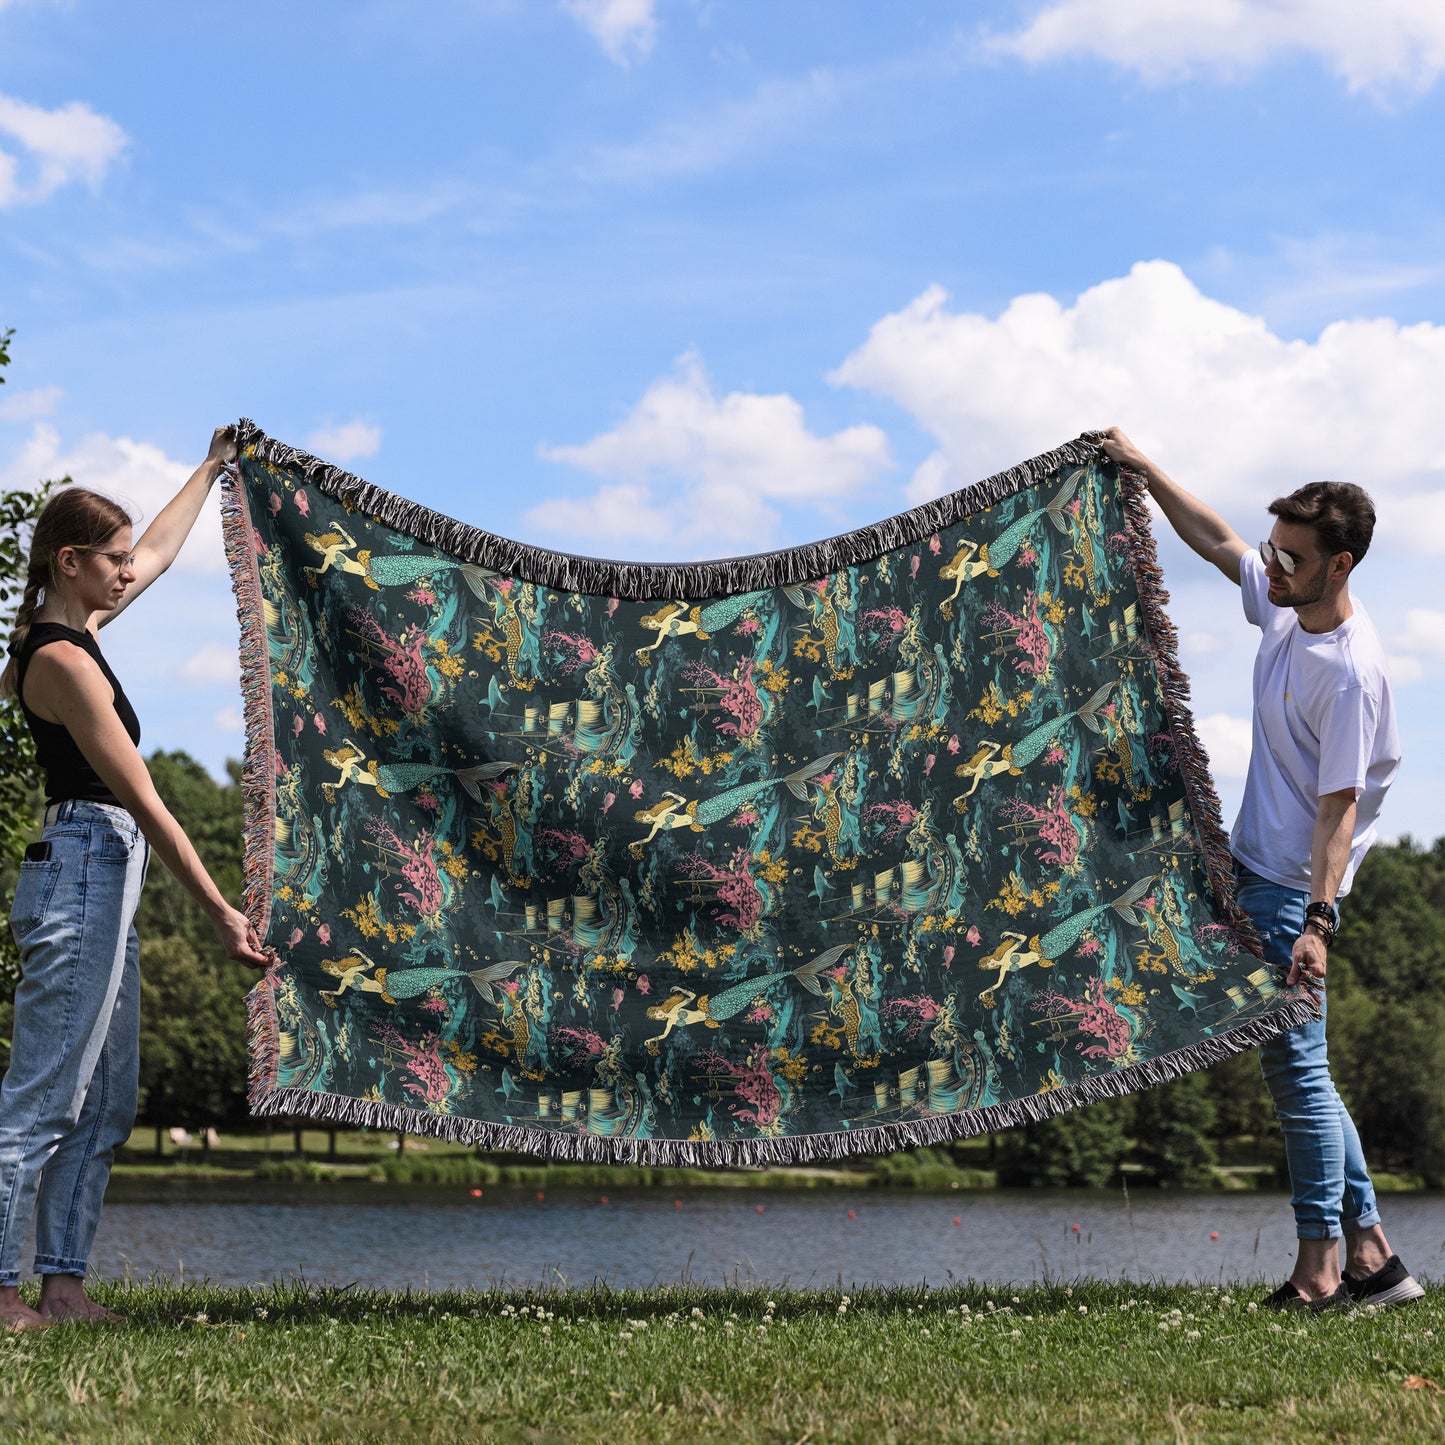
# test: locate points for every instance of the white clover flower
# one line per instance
(1191, 1334)
(1276, 1329)
(696, 1313)
(771, 1306)
(1083, 1309)
(624, 1335)
(200, 1318)
(1253, 1306)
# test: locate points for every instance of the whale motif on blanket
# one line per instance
(884, 840)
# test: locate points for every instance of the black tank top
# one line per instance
(67, 774)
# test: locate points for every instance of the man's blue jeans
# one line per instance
(69, 1097)
(1332, 1192)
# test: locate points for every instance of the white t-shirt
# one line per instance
(1323, 721)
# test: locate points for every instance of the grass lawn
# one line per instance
(1087, 1362)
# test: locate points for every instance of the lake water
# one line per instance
(424, 1238)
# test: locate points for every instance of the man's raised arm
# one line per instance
(1199, 526)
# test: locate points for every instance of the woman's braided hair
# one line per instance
(73, 517)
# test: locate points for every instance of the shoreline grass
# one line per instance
(1064, 1361)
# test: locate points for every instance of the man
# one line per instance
(1324, 752)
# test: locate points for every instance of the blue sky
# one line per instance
(677, 278)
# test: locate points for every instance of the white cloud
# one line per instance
(690, 471)
(212, 662)
(138, 475)
(346, 442)
(1381, 47)
(1418, 646)
(28, 405)
(705, 141)
(229, 720)
(1423, 634)
(1203, 644)
(70, 143)
(1237, 412)
(625, 29)
(1227, 740)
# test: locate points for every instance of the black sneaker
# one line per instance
(1392, 1284)
(1287, 1297)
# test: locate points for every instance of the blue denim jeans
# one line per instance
(1332, 1192)
(69, 1097)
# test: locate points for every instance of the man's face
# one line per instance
(1312, 565)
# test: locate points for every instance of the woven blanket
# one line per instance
(881, 841)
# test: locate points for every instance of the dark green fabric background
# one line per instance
(907, 841)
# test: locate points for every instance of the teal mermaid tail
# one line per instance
(1002, 548)
(1058, 941)
(410, 982)
(398, 778)
(397, 569)
(1032, 745)
(725, 804)
(717, 615)
(731, 1001)
(484, 979)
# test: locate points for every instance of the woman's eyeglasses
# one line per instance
(119, 560)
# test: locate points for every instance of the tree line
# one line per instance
(1386, 992)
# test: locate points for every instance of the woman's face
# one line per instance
(104, 572)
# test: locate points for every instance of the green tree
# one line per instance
(213, 816)
(20, 781)
(193, 1049)
(1173, 1125)
(1082, 1149)
(1387, 1007)
(193, 1039)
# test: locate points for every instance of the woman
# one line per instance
(69, 1097)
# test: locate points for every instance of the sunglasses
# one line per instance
(1270, 553)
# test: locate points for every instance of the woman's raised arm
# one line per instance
(163, 539)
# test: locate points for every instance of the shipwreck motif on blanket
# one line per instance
(905, 847)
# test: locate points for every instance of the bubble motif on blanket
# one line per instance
(881, 841)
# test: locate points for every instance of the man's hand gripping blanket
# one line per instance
(881, 841)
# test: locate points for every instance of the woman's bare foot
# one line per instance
(16, 1315)
(63, 1297)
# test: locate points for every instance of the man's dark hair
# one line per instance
(1341, 513)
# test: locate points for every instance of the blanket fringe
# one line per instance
(643, 581)
(258, 770)
(579, 1148)
(1163, 642)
